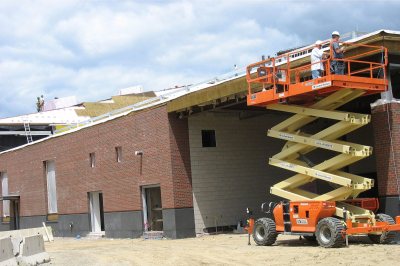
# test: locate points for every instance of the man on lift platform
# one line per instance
(337, 66)
(317, 63)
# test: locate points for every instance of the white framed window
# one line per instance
(4, 192)
(51, 187)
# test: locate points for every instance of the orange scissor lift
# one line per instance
(282, 84)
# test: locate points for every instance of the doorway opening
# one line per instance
(152, 208)
(394, 79)
(14, 215)
(96, 212)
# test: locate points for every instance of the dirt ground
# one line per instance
(224, 249)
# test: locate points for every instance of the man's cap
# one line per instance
(319, 42)
(335, 33)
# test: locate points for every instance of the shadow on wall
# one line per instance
(235, 174)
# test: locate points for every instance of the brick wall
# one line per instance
(164, 161)
(386, 160)
(1, 203)
(181, 170)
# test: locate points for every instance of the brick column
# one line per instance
(386, 127)
(179, 221)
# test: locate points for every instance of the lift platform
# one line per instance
(278, 79)
(281, 84)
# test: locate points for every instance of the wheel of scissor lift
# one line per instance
(310, 238)
(264, 232)
(329, 233)
(385, 237)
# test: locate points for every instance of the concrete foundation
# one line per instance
(178, 223)
(117, 224)
(390, 205)
(80, 225)
(123, 224)
(31, 221)
(61, 228)
(4, 226)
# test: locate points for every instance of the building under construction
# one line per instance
(190, 160)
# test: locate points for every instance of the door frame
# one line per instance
(145, 203)
(96, 221)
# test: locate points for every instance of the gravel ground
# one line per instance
(224, 249)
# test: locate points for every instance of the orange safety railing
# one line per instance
(371, 65)
(278, 74)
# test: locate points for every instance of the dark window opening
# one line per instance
(92, 159)
(395, 80)
(118, 152)
(208, 138)
(101, 211)
(296, 209)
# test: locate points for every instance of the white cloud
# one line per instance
(241, 42)
(44, 47)
(26, 19)
(101, 30)
(26, 81)
(93, 48)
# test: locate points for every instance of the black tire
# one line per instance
(385, 237)
(264, 233)
(310, 238)
(329, 233)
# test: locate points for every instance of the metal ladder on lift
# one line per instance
(299, 144)
(28, 132)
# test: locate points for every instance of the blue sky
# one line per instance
(91, 49)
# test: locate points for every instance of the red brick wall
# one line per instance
(386, 160)
(165, 161)
(1, 203)
(180, 151)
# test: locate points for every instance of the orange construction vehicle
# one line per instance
(283, 83)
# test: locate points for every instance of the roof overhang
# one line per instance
(223, 92)
(237, 86)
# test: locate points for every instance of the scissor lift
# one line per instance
(277, 85)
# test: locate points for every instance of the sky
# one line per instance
(93, 48)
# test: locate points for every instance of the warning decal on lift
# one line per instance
(301, 221)
(322, 85)
(286, 136)
(323, 175)
(323, 144)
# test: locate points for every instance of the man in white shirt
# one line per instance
(317, 55)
